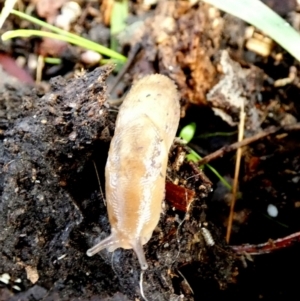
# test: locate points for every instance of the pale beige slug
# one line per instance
(135, 171)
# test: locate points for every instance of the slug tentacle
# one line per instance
(138, 250)
(136, 166)
(107, 243)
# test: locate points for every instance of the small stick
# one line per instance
(99, 182)
(269, 246)
(133, 53)
(229, 148)
(186, 281)
(39, 69)
(236, 173)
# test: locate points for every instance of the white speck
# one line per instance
(62, 256)
(90, 57)
(71, 10)
(73, 136)
(272, 210)
(4, 278)
(16, 288)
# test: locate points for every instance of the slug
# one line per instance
(136, 167)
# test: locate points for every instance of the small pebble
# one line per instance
(272, 210)
(90, 57)
(4, 278)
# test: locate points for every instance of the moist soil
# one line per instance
(54, 141)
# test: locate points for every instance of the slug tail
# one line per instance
(138, 249)
(103, 244)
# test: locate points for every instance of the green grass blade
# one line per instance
(118, 19)
(8, 6)
(216, 134)
(26, 33)
(261, 16)
(193, 156)
(188, 132)
(52, 60)
(77, 40)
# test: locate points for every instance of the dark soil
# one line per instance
(54, 140)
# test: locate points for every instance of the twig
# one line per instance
(186, 281)
(99, 183)
(269, 246)
(133, 53)
(292, 127)
(229, 148)
(236, 173)
(39, 69)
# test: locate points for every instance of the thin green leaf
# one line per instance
(52, 60)
(188, 132)
(8, 6)
(77, 40)
(118, 19)
(193, 156)
(261, 16)
(217, 134)
(26, 33)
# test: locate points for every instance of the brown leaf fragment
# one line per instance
(179, 197)
(237, 86)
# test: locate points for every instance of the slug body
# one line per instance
(136, 167)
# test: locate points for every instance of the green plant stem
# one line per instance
(73, 37)
(26, 33)
(216, 134)
(52, 60)
(213, 170)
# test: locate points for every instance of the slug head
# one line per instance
(113, 242)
